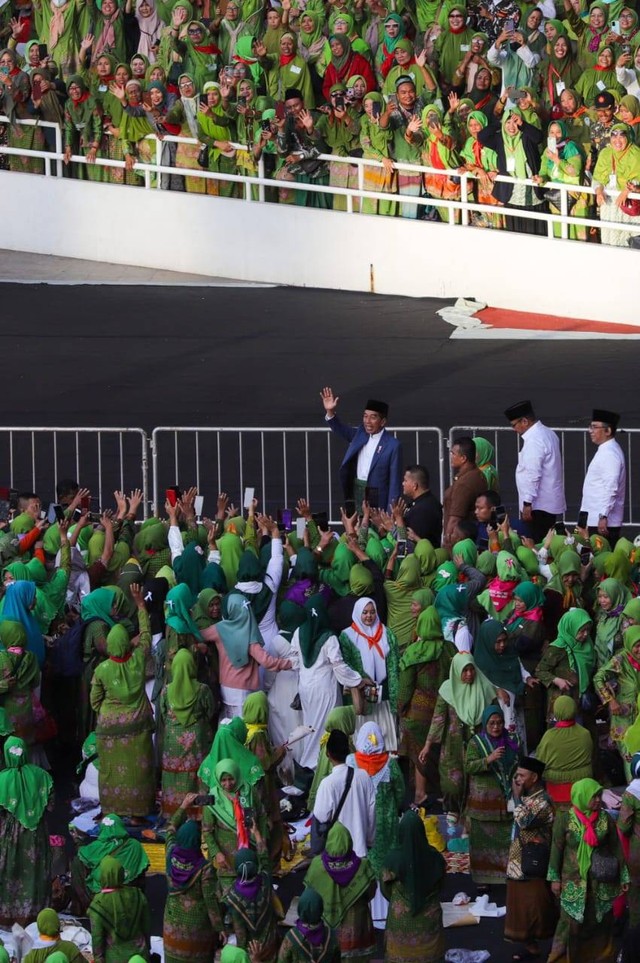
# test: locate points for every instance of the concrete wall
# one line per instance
(235, 239)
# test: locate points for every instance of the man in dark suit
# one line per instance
(373, 459)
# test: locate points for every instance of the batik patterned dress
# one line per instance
(184, 748)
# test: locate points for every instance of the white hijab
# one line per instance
(373, 656)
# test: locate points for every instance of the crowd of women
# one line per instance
(496, 89)
(185, 654)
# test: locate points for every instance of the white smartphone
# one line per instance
(301, 524)
(198, 502)
(248, 497)
(552, 143)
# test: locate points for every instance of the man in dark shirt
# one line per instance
(424, 516)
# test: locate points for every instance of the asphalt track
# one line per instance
(145, 356)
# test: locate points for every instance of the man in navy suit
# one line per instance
(373, 459)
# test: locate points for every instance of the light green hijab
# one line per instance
(429, 642)
(24, 788)
(468, 701)
(582, 792)
(513, 145)
(581, 656)
(182, 691)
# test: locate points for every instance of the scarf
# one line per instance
(468, 700)
(370, 753)
(229, 808)
(339, 876)
(18, 599)
(107, 38)
(113, 840)
(24, 788)
(502, 670)
(429, 643)
(389, 44)
(229, 743)
(417, 865)
(501, 768)
(238, 629)
(581, 656)
(340, 62)
(182, 691)
(315, 630)
(582, 793)
(533, 597)
(370, 641)
(56, 24)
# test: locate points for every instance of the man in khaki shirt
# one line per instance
(460, 497)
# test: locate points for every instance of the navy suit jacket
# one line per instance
(386, 470)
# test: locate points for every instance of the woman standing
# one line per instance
(371, 650)
(399, 592)
(424, 666)
(375, 143)
(255, 713)
(525, 629)
(497, 658)
(618, 162)
(567, 665)
(562, 161)
(119, 917)
(346, 884)
(187, 712)
(618, 685)
(461, 702)
(322, 667)
(629, 827)
(251, 907)
(587, 871)
(490, 764)
(235, 820)
(310, 940)
(19, 677)
(566, 751)
(612, 598)
(25, 855)
(125, 720)
(192, 917)
(411, 880)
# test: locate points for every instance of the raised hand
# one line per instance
(330, 401)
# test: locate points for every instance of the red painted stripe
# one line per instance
(523, 320)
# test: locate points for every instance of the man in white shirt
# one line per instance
(604, 488)
(539, 475)
(358, 812)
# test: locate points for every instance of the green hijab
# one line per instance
(360, 580)
(502, 670)
(399, 616)
(582, 792)
(182, 691)
(343, 718)
(314, 631)
(200, 611)
(113, 838)
(229, 743)
(24, 788)
(123, 910)
(232, 954)
(290, 617)
(528, 559)
(178, 605)
(238, 629)
(632, 610)
(306, 565)
(223, 807)
(513, 144)
(337, 577)
(468, 701)
(487, 563)
(308, 39)
(485, 451)
(417, 865)
(581, 656)
(429, 642)
(189, 566)
(468, 550)
(337, 899)
(446, 574)
(426, 555)
(48, 923)
(231, 549)
(98, 605)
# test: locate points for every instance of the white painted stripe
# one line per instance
(141, 284)
(519, 334)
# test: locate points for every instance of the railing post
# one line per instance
(564, 208)
(464, 183)
(158, 162)
(361, 185)
(58, 134)
(261, 188)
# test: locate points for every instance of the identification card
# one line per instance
(560, 86)
(511, 165)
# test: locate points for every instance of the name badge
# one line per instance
(601, 85)
(295, 70)
(511, 165)
(465, 48)
(613, 184)
(560, 86)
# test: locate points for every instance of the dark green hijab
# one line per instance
(315, 630)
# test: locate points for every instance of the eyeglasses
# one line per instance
(186, 84)
(594, 427)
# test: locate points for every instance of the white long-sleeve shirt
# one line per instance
(604, 487)
(539, 475)
(628, 79)
(358, 813)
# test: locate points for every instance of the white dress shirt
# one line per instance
(365, 457)
(539, 475)
(359, 811)
(604, 485)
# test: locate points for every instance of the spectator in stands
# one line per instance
(299, 142)
(618, 167)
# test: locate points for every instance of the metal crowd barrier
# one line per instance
(282, 464)
(577, 451)
(101, 459)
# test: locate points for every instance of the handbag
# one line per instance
(534, 861)
(320, 830)
(631, 207)
(203, 157)
(604, 867)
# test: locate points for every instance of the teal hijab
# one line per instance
(238, 629)
(178, 605)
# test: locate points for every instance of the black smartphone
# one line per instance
(204, 100)
(583, 519)
(322, 521)
(59, 512)
(242, 101)
(249, 818)
(401, 546)
(206, 799)
(42, 51)
(372, 497)
(350, 507)
(501, 514)
(339, 102)
(585, 555)
(561, 528)
(376, 109)
(266, 125)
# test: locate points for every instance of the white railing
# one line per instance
(282, 464)
(465, 205)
